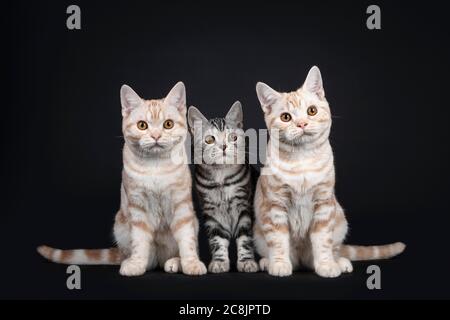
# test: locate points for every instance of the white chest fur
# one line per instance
(157, 186)
(300, 214)
(301, 175)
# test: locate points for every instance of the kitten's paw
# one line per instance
(345, 265)
(280, 268)
(216, 266)
(264, 264)
(193, 267)
(132, 267)
(328, 269)
(172, 265)
(247, 266)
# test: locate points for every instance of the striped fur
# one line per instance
(81, 256)
(298, 219)
(225, 188)
(156, 223)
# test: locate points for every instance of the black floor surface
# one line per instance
(420, 272)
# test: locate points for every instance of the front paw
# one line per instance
(247, 266)
(216, 266)
(345, 265)
(172, 265)
(193, 267)
(132, 267)
(280, 268)
(328, 269)
(264, 264)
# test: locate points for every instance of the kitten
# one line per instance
(298, 219)
(225, 185)
(156, 223)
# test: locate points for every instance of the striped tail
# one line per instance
(81, 256)
(386, 251)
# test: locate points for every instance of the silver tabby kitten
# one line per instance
(225, 185)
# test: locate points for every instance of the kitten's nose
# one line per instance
(156, 136)
(302, 124)
(224, 147)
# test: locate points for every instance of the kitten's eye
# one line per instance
(210, 139)
(142, 125)
(285, 117)
(312, 111)
(168, 124)
(232, 137)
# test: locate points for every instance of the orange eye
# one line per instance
(210, 139)
(142, 125)
(312, 111)
(232, 137)
(285, 117)
(168, 124)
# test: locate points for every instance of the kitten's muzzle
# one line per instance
(302, 124)
(152, 146)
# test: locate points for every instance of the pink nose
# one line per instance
(302, 124)
(156, 136)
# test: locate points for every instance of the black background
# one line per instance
(61, 130)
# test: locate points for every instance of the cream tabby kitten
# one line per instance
(156, 223)
(298, 219)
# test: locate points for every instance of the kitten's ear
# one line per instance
(235, 115)
(267, 96)
(177, 97)
(195, 117)
(129, 99)
(313, 82)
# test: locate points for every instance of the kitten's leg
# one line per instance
(339, 232)
(121, 231)
(219, 240)
(260, 246)
(275, 227)
(321, 235)
(244, 242)
(167, 252)
(184, 227)
(141, 241)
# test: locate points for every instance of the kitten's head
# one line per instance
(221, 140)
(154, 127)
(301, 116)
